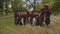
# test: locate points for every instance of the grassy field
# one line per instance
(7, 27)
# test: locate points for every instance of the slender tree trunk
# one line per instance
(2, 11)
(6, 11)
(34, 6)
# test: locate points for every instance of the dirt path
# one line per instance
(56, 17)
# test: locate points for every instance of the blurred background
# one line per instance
(9, 6)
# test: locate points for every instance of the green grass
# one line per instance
(7, 27)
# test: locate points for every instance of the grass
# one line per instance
(7, 27)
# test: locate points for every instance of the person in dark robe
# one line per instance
(40, 19)
(47, 13)
(16, 18)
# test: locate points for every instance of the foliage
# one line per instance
(56, 7)
(17, 4)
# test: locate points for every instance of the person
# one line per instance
(47, 13)
(16, 18)
(32, 16)
(40, 19)
(23, 18)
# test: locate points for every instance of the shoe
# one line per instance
(48, 26)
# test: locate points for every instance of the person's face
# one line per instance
(30, 12)
(44, 7)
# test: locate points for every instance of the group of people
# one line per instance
(33, 18)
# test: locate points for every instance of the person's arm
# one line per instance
(50, 11)
(41, 10)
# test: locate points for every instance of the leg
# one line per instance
(15, 21)
(38, 20)
(47, 19)
(24, 21)
(31, 20)
(41, 20)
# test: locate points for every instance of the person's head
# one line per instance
(30, 12)
(27, 12)
(15, 11)
(46, 6)
(20, 9)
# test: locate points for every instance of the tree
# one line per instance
(31, 4)
(1, 6)
(16, 4)
(56, 7)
